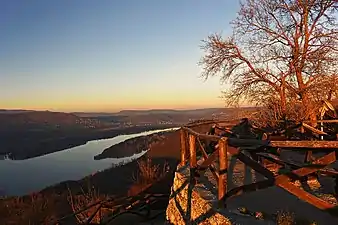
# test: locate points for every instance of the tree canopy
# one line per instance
(281, 53)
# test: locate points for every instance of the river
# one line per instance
(25, 176)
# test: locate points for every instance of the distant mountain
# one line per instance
(149, 112)
(92, 114)
(170, 111)
(5, 111)
(30, 119)
(159, 116)
(140, 117)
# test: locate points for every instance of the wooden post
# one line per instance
(336, 178)
(223, 166)
(302, 131)
(184, 153)
(193, 159)
(192, 149)
(285, 125)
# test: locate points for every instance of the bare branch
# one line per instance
(280, 51)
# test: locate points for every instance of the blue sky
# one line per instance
(81, 55)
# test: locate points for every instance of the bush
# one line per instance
(147, 174)
(87, 198)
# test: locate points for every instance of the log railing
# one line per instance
(193, 143)
(139, 205)
(189, 153)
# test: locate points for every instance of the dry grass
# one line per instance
(289, 218)
(285, 218)
(88, 197)
(147, 174)
(33, 209)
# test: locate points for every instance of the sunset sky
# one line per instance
(108, 55)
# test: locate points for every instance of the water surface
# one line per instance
(26, 176)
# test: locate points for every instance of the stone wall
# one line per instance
(192, 204)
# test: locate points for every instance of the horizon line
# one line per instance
(117, 111)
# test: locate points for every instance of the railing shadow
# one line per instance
(186, 215)
(230, 172)
(186, 200)
(248, 173)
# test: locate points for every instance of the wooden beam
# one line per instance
(192, 150)
(308, 121)
(325, 121)
(184, 153)
(226, 122)
(305, 144)
(255, 165)
(293, 165)
(304, 171)
(243, 142)
(208, 163)
(205, 155)
(223, 166)
(203, 136)
(283, 181)
(314, 130)
(305, 196)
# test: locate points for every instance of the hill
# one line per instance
(5, 111)
(31, 118)
(27, 134)
(151, 112)
(160, 116)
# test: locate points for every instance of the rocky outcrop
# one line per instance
(196, 203)
(192, 203)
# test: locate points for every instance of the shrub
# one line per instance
(147, 174)
(85, 199)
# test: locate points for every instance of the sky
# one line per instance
(108, 55)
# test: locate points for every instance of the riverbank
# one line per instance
(53, 202)
(133, 146)
(23, 149)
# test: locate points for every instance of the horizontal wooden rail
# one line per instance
(190, 147)
(309, 121)
(228, 122)
(203, 136)
(305, 144)
(314, 130)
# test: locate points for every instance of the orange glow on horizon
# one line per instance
(107, 103)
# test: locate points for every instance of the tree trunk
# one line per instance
(307, 105)
(283, 98)
(309, 109)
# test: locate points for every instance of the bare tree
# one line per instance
(281, 52)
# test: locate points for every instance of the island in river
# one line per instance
(132, 146)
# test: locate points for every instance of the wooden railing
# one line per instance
(138, 204)
(193, 142)
(188, 153)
